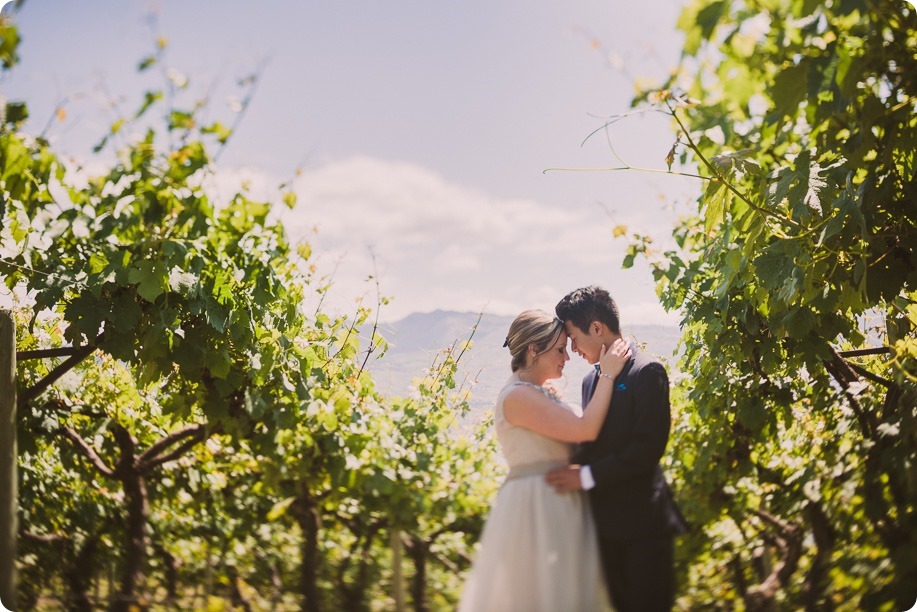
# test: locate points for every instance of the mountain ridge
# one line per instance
(415, 340)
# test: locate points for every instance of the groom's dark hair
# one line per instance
(583, 306)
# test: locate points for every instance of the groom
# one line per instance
(635, 515)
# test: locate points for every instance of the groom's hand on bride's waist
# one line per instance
(564, 479)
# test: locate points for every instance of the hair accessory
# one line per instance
(506, 342)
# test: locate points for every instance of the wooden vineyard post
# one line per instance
(9, 487)
(397, 578)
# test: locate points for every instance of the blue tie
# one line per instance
(595, 381)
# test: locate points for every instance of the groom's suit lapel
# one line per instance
(593, 377)
(625, 372)
(583, 451)
(593, 381)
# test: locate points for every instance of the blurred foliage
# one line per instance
(796, 461)
(207, 441)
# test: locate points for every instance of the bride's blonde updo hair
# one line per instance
(532, 327)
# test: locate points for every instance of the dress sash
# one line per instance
(533, 469)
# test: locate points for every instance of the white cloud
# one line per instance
(456, 259)
(399, 207)
(439, 245)
(649, 313)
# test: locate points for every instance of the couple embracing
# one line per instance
(585, 519)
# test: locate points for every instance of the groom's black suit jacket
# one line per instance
(631, 499)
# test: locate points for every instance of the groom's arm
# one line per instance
(650, 434)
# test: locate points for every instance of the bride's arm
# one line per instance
(529, 408)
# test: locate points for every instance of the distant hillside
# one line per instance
(417, 338)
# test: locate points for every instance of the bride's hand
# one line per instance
(611, 361)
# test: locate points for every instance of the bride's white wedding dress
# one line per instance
(538, 550)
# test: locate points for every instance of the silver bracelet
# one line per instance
(608, 376)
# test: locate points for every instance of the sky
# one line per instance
(416, 134)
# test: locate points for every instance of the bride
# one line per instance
(538, 550)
